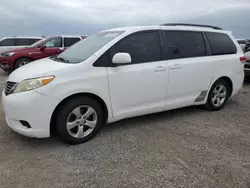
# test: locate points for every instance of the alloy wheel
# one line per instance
(219, 95)
(81, 121)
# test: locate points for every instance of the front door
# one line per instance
(53, 46)
(140, 87)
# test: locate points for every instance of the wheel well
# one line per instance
(230, 83)
(21, 58)
(93, 96)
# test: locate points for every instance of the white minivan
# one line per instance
(122, 73)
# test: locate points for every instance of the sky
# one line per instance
(73, 17)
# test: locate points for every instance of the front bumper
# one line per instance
(6, 63)
(32, 107)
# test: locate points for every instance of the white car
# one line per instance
(122, 73)
(10, 43)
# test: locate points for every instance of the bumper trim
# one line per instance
(5, 67)
(29, 132)
(20, 107)
(247, 71)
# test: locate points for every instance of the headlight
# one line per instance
(7, 54)
(33, 83)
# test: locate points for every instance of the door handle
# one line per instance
(159, 68)
(175, 66)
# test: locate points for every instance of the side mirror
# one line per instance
(42, 48)
(122, 58)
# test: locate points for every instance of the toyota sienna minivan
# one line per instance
(122, 73)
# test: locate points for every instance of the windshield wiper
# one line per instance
(56, 58)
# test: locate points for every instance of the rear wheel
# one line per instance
(79, 119)
(218, 95)
(21, 62)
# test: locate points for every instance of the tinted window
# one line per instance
(221, 43)
(241, 42)
(103, 60)
(143, 47)
(22, 42)
(53, 43)
(183, 44)
(70, 41)
(32, 41)
(7, 42)
(38, 42)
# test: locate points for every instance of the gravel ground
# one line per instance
(188, 147)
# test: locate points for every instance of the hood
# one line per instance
(23, 49)
(42, 67)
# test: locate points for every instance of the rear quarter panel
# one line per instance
(231, 67)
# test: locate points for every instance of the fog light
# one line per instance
(25, 124)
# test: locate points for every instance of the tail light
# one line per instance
(243, 59)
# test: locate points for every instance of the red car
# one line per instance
(13, 59)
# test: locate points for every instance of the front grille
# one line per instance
(9, 87)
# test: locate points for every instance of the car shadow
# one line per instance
(139, 121)
(126, 124)
(246, 80)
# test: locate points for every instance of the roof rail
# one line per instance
(193, 25)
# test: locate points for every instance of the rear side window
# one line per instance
(22, 42)
(221, 43)
(70, 41)
(143, 47)
(241, 42)
(183, 44)
(32, 41)
(7, 42)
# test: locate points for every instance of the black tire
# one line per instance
(64, 112)
(209, 105)
(20, 61)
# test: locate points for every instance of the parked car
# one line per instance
(247, 44)
(244, 44)
(13, 59)
(122, 73)
(9, 43)
(247, 64)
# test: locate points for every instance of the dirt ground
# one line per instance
(188, 147)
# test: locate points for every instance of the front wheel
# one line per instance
(218, 95)
(21, 62)
(79, 119)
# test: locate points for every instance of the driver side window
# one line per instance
(143, 47)
(53, 43)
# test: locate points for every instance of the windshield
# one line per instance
(38, 42)
(82, 50)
